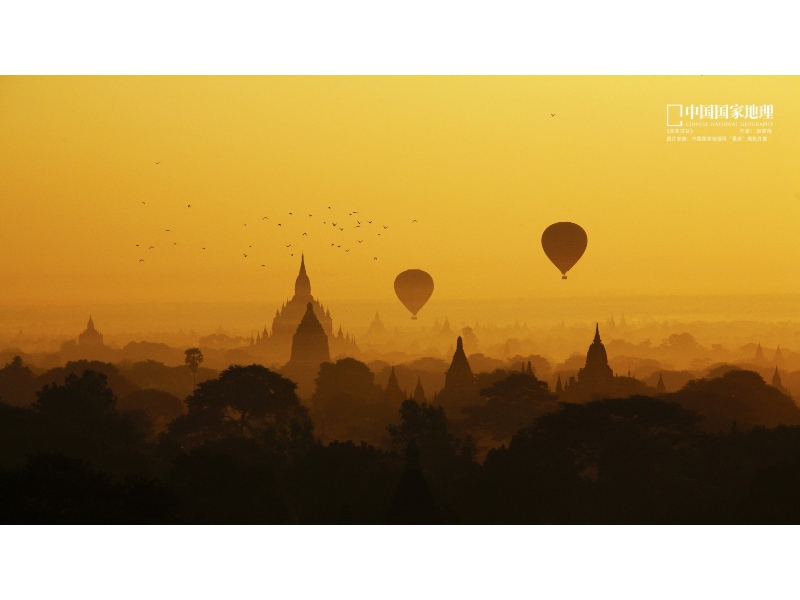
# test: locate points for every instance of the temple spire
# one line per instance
(597, 333)
(302, 285)
(419, 392)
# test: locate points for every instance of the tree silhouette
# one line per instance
(625, 460)
(246, 402)
(80, 419)
(738, 395)
(348, 401)
(57, 490)
(17, 383)
(511, 403)
(194, 356)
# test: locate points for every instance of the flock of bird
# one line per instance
(351, 233)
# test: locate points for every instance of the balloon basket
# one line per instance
(413, 318)
(563, 277)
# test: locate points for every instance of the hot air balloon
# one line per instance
(413, 288)
(564, 243)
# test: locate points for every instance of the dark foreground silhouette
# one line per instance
(244, 449)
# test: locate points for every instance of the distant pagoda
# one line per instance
(419, 392)
(596, 369)
(90, 335)
(776, 383)
(393, 395)
(759, 357)
(376, 328)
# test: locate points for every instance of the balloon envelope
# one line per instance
(564, 243)
(413, 288)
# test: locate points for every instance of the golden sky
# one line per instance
(479, 162)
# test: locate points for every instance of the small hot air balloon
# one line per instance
(413, 288)
(564, 243)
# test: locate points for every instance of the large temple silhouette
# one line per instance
(276, 346)
(596, 379)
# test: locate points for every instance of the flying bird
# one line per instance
(305, 234)
(347, 250)
(203, 248)
(332, 223)
(290, 213)
(552, 114)
(142, 202)
(188, 206)
(287, 245)
(262, 218)
(141, 260)
(152, 248)
(386, 227)
(359, 241)
(245, 255)
(166, 230)
(376, 258)
(414, 221)
(370, 222)
(341, 228)
(158, 162)
(137, 245)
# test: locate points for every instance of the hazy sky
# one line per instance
(479, 162)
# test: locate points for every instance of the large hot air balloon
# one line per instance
(564, 243)
(413, 288)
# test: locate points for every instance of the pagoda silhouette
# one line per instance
(393, 395)
(459, 388)
(776, 383)
(596, 371)
(90, 336)
(88, 346)
(413, 503)
(309, 351)
(596, 379)
(419, 392)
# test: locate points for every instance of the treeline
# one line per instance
(244, 449)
